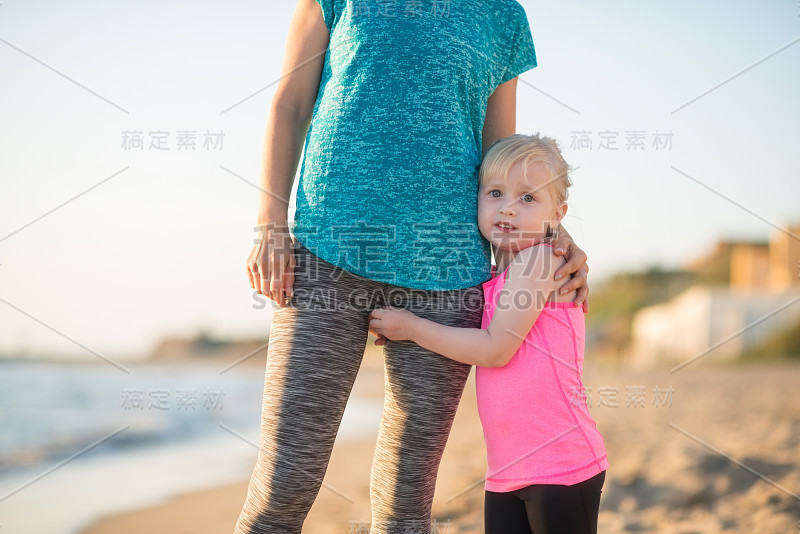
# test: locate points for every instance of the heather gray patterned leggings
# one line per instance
(315, 349)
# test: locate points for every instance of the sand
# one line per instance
(706, 449)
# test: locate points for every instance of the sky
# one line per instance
(105, 249)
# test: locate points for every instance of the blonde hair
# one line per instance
(506, 152)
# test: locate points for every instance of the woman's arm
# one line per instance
(270, 266)
(528, 285)
(501, 114)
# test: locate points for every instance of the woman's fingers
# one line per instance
(288, 277)
(578, 280)
(576, 267)
(249, 268)
(576, 258)
(560, 245)
(255, 275)
(281, 277)
(276, 281)
(583, 298)
(263, 278)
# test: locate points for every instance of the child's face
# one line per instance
(513, 214)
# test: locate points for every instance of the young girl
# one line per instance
(546, 459)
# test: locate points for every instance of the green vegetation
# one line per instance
(784, 344)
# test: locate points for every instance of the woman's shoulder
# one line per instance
(501, 13)
(510, 7)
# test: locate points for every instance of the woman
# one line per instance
(405, 97)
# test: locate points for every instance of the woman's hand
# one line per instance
(575, 266)
(270, 265)
(391, 323)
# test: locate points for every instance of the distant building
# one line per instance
(762, 297)
(784, 259)
(750, 266)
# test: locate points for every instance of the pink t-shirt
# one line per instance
(535, 420)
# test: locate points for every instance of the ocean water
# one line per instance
(78, 442)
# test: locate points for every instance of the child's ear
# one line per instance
(560, 212)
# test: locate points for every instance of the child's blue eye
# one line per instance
(527, 197)
(497, 195)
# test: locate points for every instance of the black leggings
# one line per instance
(545, 509)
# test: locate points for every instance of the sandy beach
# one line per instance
(707, 449)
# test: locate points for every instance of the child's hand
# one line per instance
(381, 338)
(391, 323)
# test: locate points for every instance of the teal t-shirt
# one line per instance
(389, 176)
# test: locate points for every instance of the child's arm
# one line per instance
(529, 284)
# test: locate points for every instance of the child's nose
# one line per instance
(508, 208)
